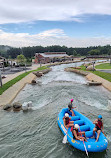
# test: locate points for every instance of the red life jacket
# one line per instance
(72, 128)
(67, 120)
(77, 132)
(99, 124)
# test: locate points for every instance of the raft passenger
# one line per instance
(98, 127)
(67, 122)
(70, 107)
(78, 135)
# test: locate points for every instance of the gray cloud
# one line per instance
(15, 11)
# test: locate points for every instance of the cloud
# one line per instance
(52, 33)
(15, 11)
(48, 38)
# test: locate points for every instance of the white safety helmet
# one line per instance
(66, 115)
(76, 126)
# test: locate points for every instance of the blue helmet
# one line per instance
(99, 116)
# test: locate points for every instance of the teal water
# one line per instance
(35, 134)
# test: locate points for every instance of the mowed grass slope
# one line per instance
(18, 78)
(103, 66)
(106, 76)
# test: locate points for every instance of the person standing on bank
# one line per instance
(98, 127)
(70, 107)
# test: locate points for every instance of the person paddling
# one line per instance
(78, 135)
(67, 122)
(70, 107)
(98, 127)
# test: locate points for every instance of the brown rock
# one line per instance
(7, 107)
(33, 82)
(90, 68)
(17, 106)
(38, 74)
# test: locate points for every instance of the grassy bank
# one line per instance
(18, 78)
(106, 76)
(103, 66)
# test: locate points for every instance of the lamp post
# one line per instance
(0, 78)
(93, 65)
(110, 58)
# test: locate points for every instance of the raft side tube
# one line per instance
(79, 122)
(74, 118)
(84, 128)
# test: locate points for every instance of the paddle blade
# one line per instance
(64, 141)
(86, 150)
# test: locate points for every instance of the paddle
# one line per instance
(64, 141)
(85, 149)
(84, 145)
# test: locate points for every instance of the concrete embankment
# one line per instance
(96, 78)
(9, 95)
(84, 73)
(65, 62)
(90, 76)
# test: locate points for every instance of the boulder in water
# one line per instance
(17, 106)
(25, 106)
(38, 74)
(33, 82)
(7, 107)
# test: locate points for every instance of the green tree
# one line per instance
(94, 52)
(74, 53)
(21, 59)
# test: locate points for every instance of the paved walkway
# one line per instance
(12, 76)
(104, 70)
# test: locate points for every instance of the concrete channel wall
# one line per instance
(96, 78)
(9, 95)
(90, 76)
(84, 73)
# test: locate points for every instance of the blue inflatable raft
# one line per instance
(85, 125)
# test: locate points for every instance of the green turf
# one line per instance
(18, 78)
(106, 76)
(103, 66)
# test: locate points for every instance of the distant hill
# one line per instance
(3, 50)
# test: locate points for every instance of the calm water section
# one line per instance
(35, 134)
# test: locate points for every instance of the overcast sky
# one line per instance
(74, 23)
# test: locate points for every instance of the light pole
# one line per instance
(110, 58)
(93, 65)
(0, 78)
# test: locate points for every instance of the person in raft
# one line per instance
(78, 135)
(70, 107)
(67, 122)
(98, 127)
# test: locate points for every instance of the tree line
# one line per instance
(29, 52)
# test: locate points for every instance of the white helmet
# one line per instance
(76, 126)
(66, 115)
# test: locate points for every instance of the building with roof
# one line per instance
(48, 57)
